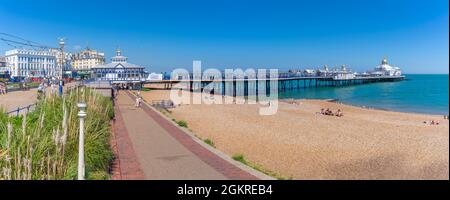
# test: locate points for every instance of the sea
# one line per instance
(418, 93)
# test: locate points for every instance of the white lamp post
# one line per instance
(81, 115)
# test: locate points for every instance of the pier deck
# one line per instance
(284, 83)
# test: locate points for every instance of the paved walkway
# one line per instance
(151, 147)
(15, 99)
(12, 100)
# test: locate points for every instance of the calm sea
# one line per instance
(419, 93)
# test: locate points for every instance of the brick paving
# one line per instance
(151, 147)
(220, 165)
(126, 164)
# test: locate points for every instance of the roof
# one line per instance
(115, 65)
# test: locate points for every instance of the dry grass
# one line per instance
(44, 143)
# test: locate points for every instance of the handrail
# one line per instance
(17, 111)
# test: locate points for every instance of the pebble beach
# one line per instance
(300, 143)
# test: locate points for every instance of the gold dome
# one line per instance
(384, 62)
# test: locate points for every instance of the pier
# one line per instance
(234, 86)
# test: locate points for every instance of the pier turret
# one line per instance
(386, 70)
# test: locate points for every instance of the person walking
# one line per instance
(138, 102)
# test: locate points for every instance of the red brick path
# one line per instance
(224, 167)
(125, 157)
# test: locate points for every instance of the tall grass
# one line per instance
(44, 143)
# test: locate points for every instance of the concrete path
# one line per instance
(150, 147)
(15, 99)
(12, 100)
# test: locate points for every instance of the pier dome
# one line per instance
(387, 70)
(384, 61)
(119, 58)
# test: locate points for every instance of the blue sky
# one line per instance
(167, 34)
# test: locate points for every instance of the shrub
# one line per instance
(182, 123)
(240, 158)
(209, 142)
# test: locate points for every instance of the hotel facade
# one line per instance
(86, 59)
(24, 63)
(4, 71)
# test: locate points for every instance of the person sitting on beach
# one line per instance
(432, 122)
(339, 113)
(329, 112)
(322, 111)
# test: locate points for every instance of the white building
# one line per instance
(25, 63)
(338, 74)
(386, 70)
(65, 61)
(343, 74)
(155, 77)
(119, 70)
(3, 69)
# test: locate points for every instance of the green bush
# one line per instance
(240, 158)
(182, 123)
(209, 142)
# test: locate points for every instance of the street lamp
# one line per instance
(63, 58)
(81, 114)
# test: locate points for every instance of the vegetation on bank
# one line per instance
(44, 143)
(240, 158)
(182, 123)
(209, 142)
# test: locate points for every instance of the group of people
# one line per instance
(3, 88)
(329, 112)
(432, 122)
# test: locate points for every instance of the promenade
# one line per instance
(19, 99)
(151, 147)
(15, 99)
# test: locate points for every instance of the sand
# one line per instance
(301, 144)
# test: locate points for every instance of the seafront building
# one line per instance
(83, 61)
(386, 70)
(25, 63)
(119, 71)
(3, 67)
(342, 73)
(2, 61)
(4, 71)
(63, 62)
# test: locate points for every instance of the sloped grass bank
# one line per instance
(44, 143)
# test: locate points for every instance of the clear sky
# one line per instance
(167, 34)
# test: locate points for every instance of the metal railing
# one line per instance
(17, 111)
